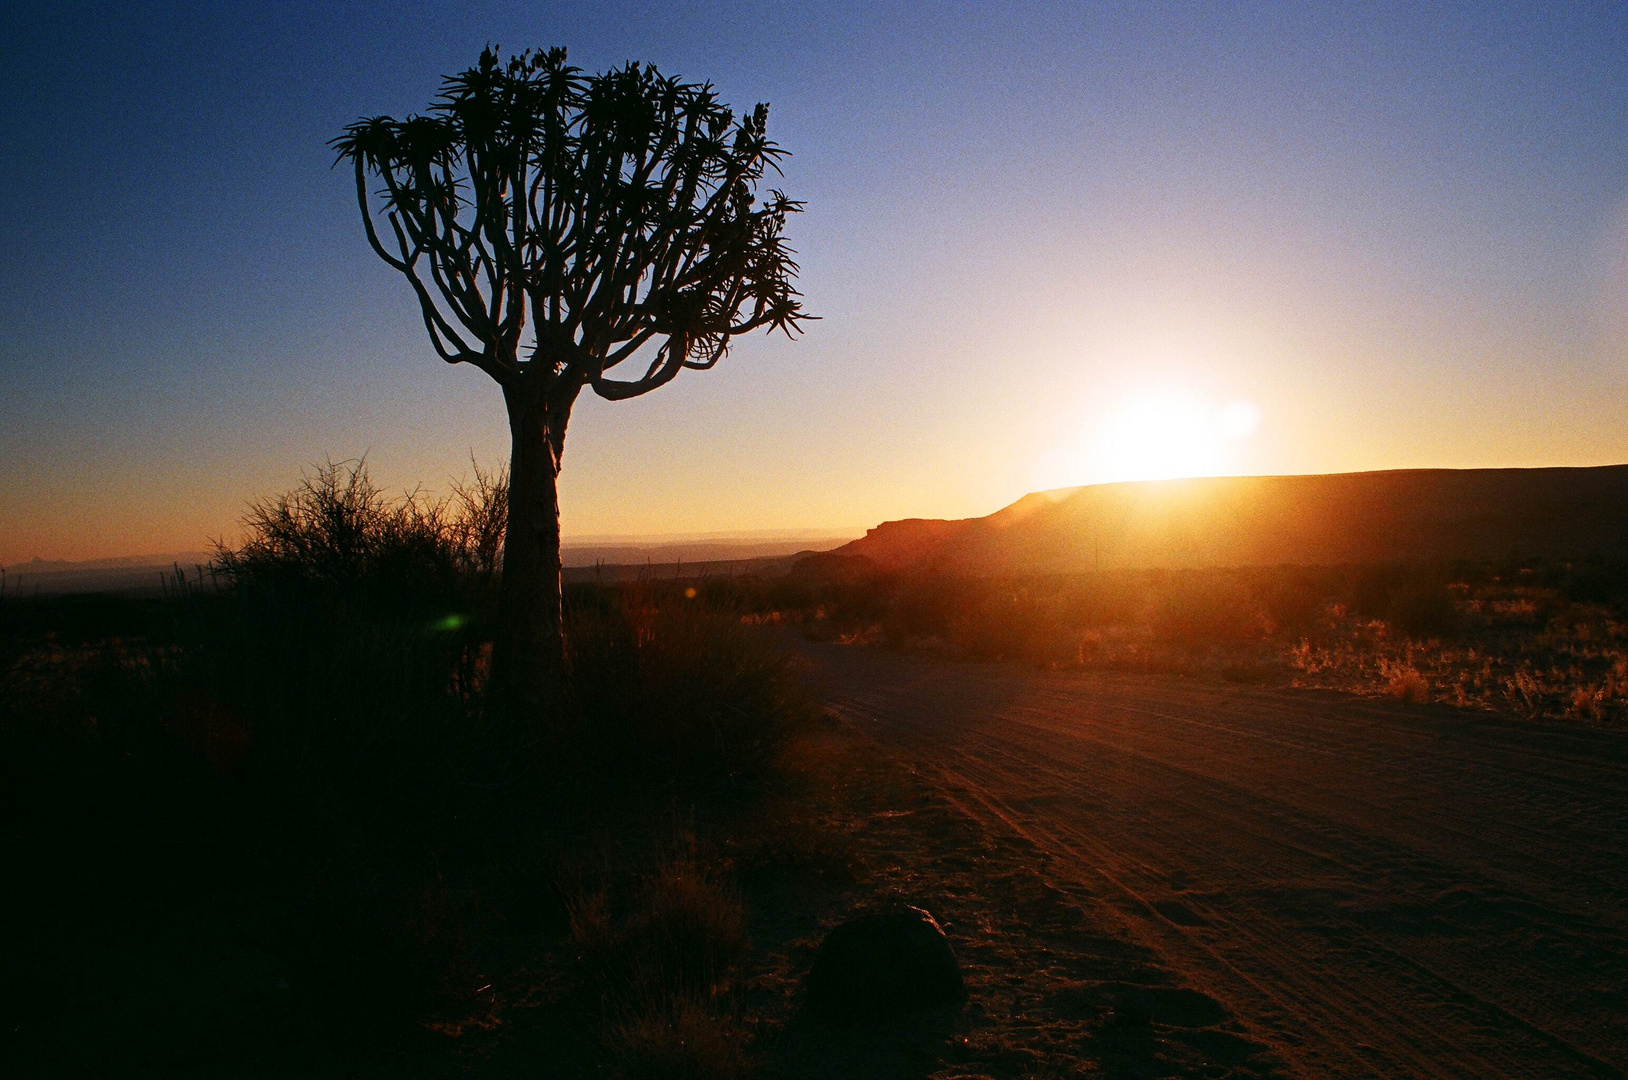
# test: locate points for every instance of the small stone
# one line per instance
(883, 964)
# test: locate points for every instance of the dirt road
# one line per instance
(1365, 888)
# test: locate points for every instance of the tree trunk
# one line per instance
(529, 653)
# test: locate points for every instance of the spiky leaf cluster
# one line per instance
(554, 224)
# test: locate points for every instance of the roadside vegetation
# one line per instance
(272, 816)
(1535, 638)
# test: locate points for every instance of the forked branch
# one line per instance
(607, 213)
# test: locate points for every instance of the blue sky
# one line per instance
(1399, 233)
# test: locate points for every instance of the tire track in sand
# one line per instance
(1408, 926)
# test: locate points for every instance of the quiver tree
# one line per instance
(564, 231)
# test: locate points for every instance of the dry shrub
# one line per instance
(1524, 693)
(343, 636)
(689, 928)
(777, 842)
(658, 961)
(337, 534)
(672, 691)
(310, 737)
(683, 931)
(1588, 702)
(1028, 621)
(677, 1039)
(1405, 683)
(864, 635)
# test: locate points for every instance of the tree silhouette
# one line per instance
(554, 227)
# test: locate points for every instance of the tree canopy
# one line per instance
(550, 219)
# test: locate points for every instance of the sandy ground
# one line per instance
(1143, 876)
(1169, 877)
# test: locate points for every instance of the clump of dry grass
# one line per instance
(678, 1038)
(660, 956)
(688, 929)
(1403, 682)
(1524, 692)
(682, 930)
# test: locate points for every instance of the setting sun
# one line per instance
(1157, 434)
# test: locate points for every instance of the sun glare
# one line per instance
(1152, 435)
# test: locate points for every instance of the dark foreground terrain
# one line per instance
(1143, 875)
(270, 821)
(1178, 877)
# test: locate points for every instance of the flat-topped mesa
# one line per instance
(1327, 519)
(895, 544)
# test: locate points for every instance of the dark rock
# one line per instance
(882, 964)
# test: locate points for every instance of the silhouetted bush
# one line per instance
(337, 660)
(308, 728)
(338, 540)
(673, 692)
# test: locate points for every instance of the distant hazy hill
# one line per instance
(1276, 520)
(128, 573)
(609, 560)
(695, 549)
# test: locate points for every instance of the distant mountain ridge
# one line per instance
(697, 550)
(1323, 519)
(125, 574)
(608, 561)
(37, 565)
